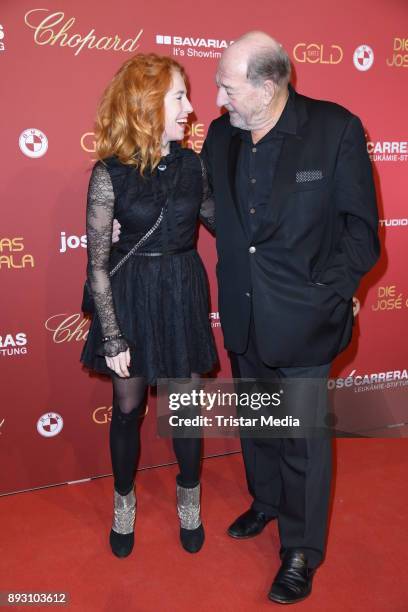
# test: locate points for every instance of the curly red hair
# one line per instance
(130, 116)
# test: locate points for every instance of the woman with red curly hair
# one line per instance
(151, 315)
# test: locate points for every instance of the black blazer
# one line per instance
(317, 238)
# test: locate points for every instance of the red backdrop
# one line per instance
(56, 58)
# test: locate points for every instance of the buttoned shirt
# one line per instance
(256, 166)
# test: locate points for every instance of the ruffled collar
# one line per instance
(176, 150)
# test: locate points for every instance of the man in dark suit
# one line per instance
(296, 229)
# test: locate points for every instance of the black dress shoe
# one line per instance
(248, 525)
(293, 582)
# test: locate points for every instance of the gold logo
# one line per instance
(399, 59)
(103, 414)
(8, 258)
(88, 142)
(315, 53)
(66, 328)
(55, 29)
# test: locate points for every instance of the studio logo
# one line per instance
(192, 46)
(54, 28)
(71, 242)
(67, 328)
(33, 143)
(394, 222)
(316, 53)
(50, 424)
(363, 58)
(2, 47)
(11, 256)
(13, 344)
(399, 59)
(388, 150)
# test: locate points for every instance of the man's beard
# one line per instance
(237, 121)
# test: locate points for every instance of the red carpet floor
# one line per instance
(56, 539)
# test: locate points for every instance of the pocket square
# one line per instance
(303, 176)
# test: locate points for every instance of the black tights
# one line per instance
(129, 401)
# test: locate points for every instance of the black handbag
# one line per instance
(88, 303)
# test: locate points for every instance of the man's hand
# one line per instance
(120, 363)
(115, 231)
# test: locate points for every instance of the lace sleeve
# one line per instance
(207, 209)
(99, 217)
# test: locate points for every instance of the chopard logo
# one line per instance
(66, 328)
(55, 29)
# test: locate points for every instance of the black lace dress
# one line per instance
(159, 303)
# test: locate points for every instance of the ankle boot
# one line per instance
(121, 536)
(188, 509)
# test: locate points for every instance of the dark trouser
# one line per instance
(288, 478)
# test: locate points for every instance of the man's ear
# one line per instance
(269, 91)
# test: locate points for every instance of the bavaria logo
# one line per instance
(50, 424)
(190, 41)
(363, 58)
(33, 143)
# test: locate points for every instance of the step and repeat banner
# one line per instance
(56, 57)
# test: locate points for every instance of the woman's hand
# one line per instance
(120, 363)
(115, 231)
